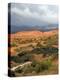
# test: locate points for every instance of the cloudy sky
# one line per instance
(33, 14)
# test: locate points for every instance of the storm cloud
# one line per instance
(33, 15)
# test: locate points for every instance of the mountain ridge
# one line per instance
(14, 29)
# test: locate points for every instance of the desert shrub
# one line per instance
(22, 57)
(45, 50)
(37, 68)
(36, 50)
(53, 40)
(41, 66)
(25, 56)
(55, 56)
(13, 44)
(33, 63)
(31, 46)
(46, 64)
(27, 69)
(22, 53)
(16, 59)
(39, 45)
(17, 49)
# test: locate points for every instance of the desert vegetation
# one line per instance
(37, 54)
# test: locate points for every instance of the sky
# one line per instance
(33, 14)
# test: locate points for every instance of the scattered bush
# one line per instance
(17, 50)
(13, 44)
(45, 50)
(46, 64)
(41, 66)
(22, 57)
(36, 67)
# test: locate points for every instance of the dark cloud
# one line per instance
(33, 14)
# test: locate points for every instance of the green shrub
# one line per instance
(46, 64)
(13, 44)
(41, 66)
(37, 67)
(16, 59)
